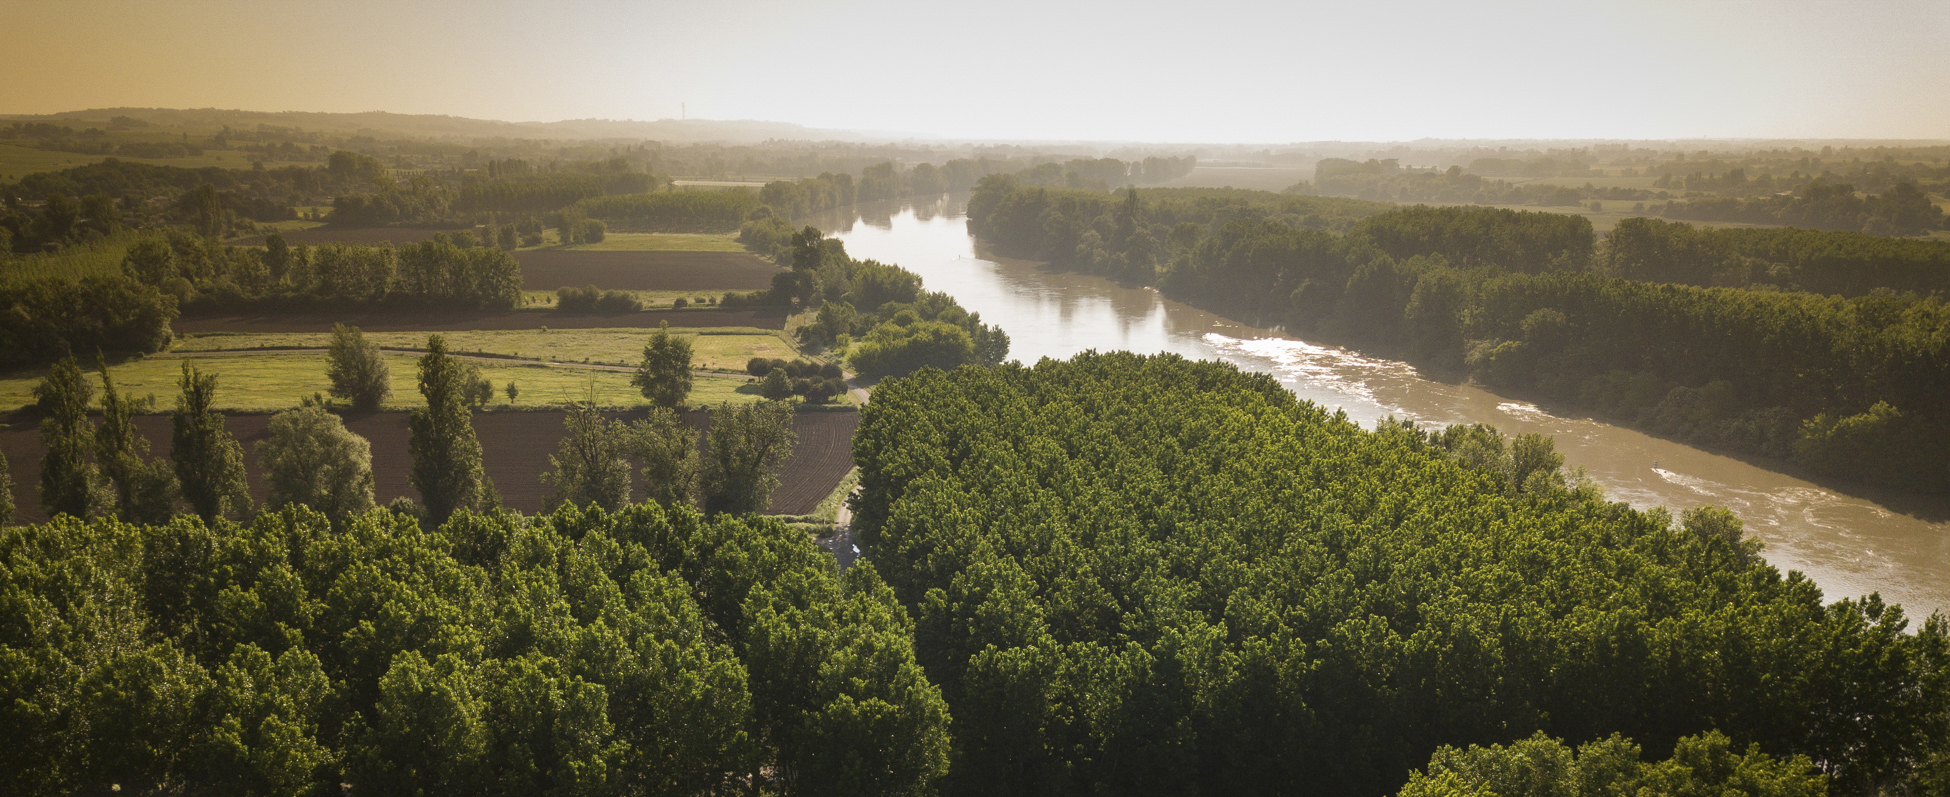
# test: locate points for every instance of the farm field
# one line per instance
(412, 320)
(271, 380)
(713, 348)
(515, 447)
(548, 269)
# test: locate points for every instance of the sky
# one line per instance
(1208, 72)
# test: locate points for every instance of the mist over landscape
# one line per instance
(1408, 399)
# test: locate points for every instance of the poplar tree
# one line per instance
(446, 454)
(67, 475)
(209, 462)
(144, 489)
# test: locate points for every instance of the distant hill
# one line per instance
(379, 123)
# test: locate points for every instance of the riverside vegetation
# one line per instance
(1533, 303)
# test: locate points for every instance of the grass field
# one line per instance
(267, 381)
(717, 348)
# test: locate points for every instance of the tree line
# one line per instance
(1818, 261)
(1848, 387)
(1904, 209)
(1140, 574)
(103, 469)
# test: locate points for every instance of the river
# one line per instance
(1850, 545)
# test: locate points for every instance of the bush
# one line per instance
(596, 300)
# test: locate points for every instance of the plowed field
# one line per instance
(548, 269)
(515, 447)
(442, 320)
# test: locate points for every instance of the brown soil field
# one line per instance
(370, 236)
(515, 447)
(548, 269)
(414, 320)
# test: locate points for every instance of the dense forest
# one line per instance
(1135, 574)
(1849, 387)
(166, 272)
(642, 652)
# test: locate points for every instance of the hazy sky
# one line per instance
(1191, 71)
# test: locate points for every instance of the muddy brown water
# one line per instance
(1851, 542)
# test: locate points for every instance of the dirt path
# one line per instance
(841, 544)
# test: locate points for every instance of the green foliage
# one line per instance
(642, 652)
(905, 344)
(742, 453)
(592, 465)
(208, 461)
(144, 490)
(665, 447)
(672, 211)
(446, 454)
(358, 372)
(1145, 574)
(312, 460)
(1846, 263)
(53, 317)
(664, 376)
(1780, 374)
(595, 300)
(1541, 766)
(439, 272)
(6, 492)
(775, 386)
(67, 474)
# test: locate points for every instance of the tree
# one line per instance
(209, 462)
(513, 392)
(144, 490)
(446, 454)
(311, 459)
(666, 448)
(592, 465)
(67, 475)
(665, 374)
(277, 256)
(742, 453)
(6, 492)
(776, 386)
(358, 373)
